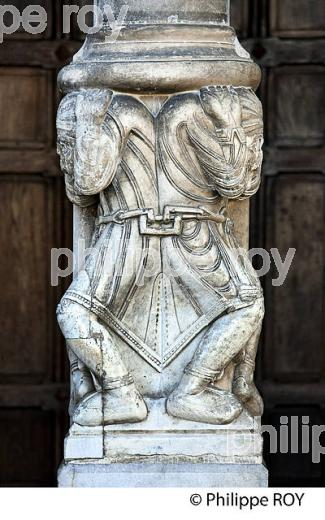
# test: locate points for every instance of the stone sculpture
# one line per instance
(167, 308)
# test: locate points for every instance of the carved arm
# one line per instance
(89, 143)
(226, 140)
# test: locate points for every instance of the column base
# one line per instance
(163, 439)
(155, 475)
(163, 451)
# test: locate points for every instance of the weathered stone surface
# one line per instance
(163, 319)
(164, 438)
(163, 475)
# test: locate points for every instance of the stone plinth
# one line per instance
(165, 452)
(157, 475)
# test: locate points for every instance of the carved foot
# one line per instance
(122, 405)
(213, 406)
(249, 395)
(82, 384)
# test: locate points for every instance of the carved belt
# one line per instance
(168, 224)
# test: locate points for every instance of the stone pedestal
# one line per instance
(160, 138)
(165, 452)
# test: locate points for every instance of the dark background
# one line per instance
(287, 39)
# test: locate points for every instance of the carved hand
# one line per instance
(222, 103)
(92, 105)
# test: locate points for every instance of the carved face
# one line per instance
(65, 147)
(255, 153)
(66, 127)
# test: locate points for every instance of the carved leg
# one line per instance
(197, 398)
(81, 381)
(119, 400)
(243, 383)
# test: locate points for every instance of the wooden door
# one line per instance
(35, 217)
(287, 39)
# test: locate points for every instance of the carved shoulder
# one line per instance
(227, 134)
(66, 144)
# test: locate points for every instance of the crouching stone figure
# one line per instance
(166, 279)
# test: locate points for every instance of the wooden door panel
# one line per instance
(35, 217)
(21, 34)
(297, 18)
(239, 17)
(27, 91)
(296, 106)
(294, 339)
(26, 234)
(27, 457)
(289, 213)
(297, 468)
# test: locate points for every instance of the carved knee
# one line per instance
(256, 313)
(76, 322)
